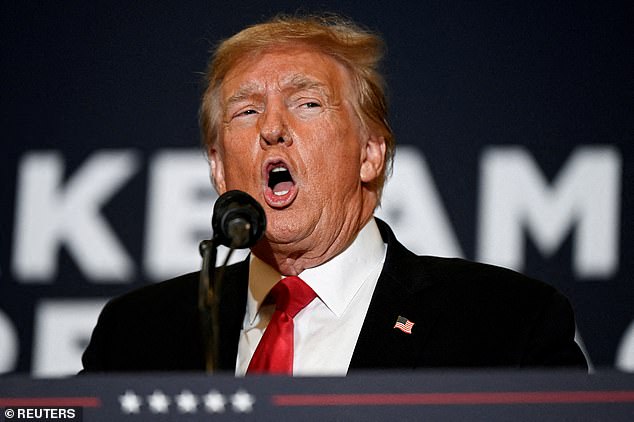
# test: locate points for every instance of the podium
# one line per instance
(383, 396)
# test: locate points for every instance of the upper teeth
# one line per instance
(276, 169)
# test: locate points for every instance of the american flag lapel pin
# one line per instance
(404, 324)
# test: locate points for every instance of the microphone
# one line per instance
(238, 220)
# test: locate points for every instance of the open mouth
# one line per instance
(280, 181)
(280, 186)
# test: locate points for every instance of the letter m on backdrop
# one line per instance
(584, 196)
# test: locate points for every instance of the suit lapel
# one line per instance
(232, 308)
(403, 289)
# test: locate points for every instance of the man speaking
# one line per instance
(294, 114)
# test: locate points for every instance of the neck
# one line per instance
(293, 258)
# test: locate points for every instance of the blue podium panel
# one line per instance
(419, 396)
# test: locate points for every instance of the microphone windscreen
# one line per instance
(237, 208)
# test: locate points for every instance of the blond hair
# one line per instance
(359, 50)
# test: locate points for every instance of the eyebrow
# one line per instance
(296, 82)
(303, 83)
(245, 91)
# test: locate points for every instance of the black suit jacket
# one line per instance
(465, 314)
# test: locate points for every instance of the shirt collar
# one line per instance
(336, 282)
(262, 278)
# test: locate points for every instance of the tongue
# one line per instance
(282, 188)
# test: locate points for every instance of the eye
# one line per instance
(246, 112)
(309, 105)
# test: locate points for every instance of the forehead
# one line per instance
(287, 68)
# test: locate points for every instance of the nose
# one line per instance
(274, 128)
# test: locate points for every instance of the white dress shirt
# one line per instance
(326, 331)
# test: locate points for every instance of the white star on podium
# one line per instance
(158, 402)
(242, 402)
(186, 402)
(214, 402)
(130, 402)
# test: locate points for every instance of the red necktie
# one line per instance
(274, 354)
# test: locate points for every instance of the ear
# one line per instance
(217, 171)
(372, 158)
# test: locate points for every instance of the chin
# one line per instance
(285, 230)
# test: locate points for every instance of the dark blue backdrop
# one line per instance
(471, 84)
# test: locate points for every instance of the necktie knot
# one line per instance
(291, 295)
(274, 353)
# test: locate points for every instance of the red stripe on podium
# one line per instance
(532, 397)
(50, 402)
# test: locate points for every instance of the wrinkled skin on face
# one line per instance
(290, 138)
